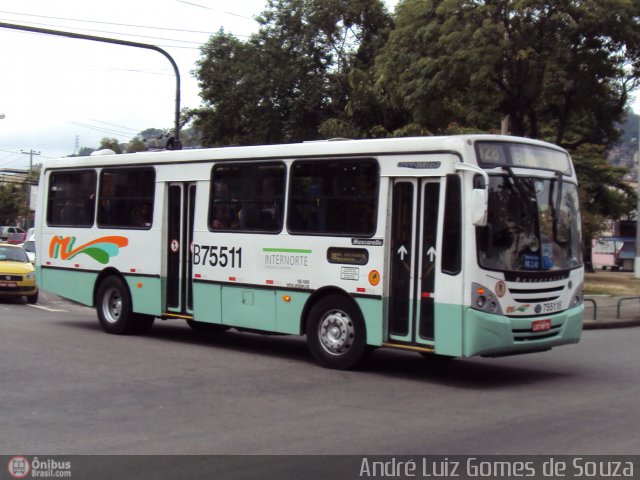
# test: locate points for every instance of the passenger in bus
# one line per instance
(142, 215)
(219, 217)
(247, 218)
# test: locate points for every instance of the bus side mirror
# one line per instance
(479, 201)
(479, 206)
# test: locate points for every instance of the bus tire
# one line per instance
(113, 303)
(336, 333)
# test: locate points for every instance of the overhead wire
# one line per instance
(120, 24)
(112, 33)
(102, 129)
(196, 45)
(186, 44)
(116, 125)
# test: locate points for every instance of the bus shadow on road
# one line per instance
(466, 373)
(473, 373)
(288, 347)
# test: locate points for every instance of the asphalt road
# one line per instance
(68, 388)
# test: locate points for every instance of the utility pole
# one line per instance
(31, 154)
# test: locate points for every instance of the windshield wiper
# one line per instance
(530, 204)
(555, 209)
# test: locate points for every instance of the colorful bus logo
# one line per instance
(101, 249)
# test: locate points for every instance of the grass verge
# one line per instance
(618, 284)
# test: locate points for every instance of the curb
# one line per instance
(603, 324)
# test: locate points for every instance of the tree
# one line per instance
(604, 195)
(136, 144)
(150, 138)
(111, 144)
(13, 202)
(291, 76)
(231, 78)
(560, 70)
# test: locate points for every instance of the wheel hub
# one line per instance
(336, 332)
(112, 305)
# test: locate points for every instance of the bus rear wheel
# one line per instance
(113, 302)
(336, 333)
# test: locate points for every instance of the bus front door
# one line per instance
(413, 256)
(180, 211)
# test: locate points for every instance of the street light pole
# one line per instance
(177, 145)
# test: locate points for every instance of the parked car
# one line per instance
(30, 247)
(17, 275)
(12, 234)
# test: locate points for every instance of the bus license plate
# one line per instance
(541, 325)
(8, 284)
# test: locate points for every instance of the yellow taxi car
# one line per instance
(17, 276)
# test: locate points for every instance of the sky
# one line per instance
(59, 94)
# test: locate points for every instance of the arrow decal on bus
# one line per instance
(101, 249)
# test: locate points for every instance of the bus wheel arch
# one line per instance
(107, 272)
(335, 329)
(315, 298)
(114, 306)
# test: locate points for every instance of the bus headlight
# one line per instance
(577, 298)
(484, 299)
(30, 276)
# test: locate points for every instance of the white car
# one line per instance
(30, 247)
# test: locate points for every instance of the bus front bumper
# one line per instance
(496, 335)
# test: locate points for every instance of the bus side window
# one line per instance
(126, 198)
(333, 197)
(71, 198)
(247, 197)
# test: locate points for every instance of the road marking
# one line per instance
(45, 308)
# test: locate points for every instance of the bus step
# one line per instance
(181, 316)
(413, 348)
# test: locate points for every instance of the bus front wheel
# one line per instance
(113, 302)
(336, 333)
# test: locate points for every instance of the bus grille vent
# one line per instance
(526, 335)
(536, 295)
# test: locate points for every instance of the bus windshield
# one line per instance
(533, 225)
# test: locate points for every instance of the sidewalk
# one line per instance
(605, 313)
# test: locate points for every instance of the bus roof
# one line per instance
(312, 149)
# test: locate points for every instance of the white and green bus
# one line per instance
(452, 246)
